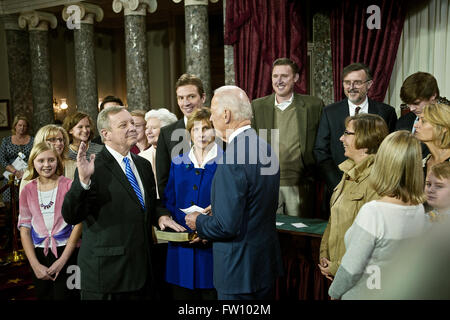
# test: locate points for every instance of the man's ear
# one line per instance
(104, 134)
(227, 116)
(296, 77)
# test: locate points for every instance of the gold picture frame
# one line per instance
(4, 114)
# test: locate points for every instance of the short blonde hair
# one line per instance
(50, 131)
(438, 115)
(31, 172)
(397, 171)
(16, 120)
(138, 113)
(441, 170)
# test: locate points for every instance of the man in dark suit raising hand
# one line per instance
(114, 195)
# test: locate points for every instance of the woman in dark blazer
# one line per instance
(189, 266)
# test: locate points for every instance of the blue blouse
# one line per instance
(189, 266)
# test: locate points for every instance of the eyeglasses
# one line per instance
(356, 83)
(348, 133)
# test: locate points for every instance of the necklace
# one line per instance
(50, 204)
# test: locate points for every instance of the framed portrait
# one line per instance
(4, 114)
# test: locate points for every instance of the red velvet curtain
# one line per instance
(352, 41)
(260, 32)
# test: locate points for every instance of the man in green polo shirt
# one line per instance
(296, 117)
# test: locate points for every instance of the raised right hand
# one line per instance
(85, 167)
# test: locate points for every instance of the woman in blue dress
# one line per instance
(189, 266)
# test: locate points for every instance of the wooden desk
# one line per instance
(300, 252)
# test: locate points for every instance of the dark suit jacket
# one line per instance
(406, 122)
(328, 150)
(116, 241)
(244, 201)
(164, 151)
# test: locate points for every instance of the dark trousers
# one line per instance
(181, 293)
(263, 294)
(58, 289)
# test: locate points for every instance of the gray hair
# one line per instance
(103, 118)
(234, 99)
(163, 115)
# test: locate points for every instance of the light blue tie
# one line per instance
(131, 177)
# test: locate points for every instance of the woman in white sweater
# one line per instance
(383, 225)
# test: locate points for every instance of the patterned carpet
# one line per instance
(15, 280)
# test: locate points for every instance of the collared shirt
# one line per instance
(212, 153)
(237, 131)
(119, 159)
(283, 105)
(364, 107)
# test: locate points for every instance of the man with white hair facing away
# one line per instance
(246, 250)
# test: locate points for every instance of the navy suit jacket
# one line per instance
(328, 150)
(244, 200)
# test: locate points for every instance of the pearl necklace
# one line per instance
(50, 204)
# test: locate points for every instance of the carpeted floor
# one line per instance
(15, 280)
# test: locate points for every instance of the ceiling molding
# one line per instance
(17, 6)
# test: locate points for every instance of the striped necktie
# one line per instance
(132, 178)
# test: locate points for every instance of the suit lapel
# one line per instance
(372, 108)
(302, 120)
(269, 116)
(117, 172)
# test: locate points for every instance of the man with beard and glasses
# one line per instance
(328, 150)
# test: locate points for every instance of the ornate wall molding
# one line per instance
(195, 2)
(135, 7)
(37, 20)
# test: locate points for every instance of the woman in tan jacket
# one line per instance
(362, 136)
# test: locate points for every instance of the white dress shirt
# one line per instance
(119, 159)
(364, 107)
(283, 105)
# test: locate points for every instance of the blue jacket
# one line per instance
(189, 266)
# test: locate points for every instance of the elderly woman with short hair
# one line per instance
(156, 119)
(362, 136)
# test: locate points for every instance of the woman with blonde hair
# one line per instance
(362, 136)
(19, 144)
(59, 139)
(381, 226)
(48, 241)
(433, 129)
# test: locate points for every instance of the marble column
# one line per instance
(80, 17)
(19, 67)
(322, 60)
(197, 42)
(38, 23)
(138, 90)
(230, 78)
